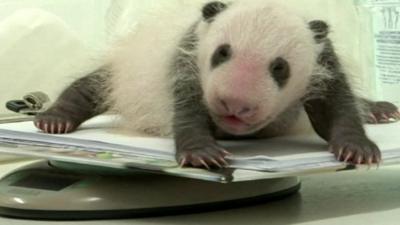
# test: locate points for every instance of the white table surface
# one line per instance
(358, 197)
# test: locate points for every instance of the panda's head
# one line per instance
(255, 59)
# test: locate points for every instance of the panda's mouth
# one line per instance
(233, 120)
(239, 126)
(234, 125)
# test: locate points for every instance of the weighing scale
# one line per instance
(48, 190)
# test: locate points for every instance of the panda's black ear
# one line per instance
(320, 29)
(212, 9)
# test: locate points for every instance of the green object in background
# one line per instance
(105, 155)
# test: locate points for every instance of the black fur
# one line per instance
(335, 116)
(320, 29)
(212, 9)
(82, 100)
(192, 125)
(280, 70)
(221, 55)
(379, 112)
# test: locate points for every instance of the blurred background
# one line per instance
(46, 44)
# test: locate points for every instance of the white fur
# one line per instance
(140, 63)
(259, 32)
(263, 29)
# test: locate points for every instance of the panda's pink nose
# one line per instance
(239, 108)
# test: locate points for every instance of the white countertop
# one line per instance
(357, 197)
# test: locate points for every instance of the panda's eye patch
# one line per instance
(280, 71)
(222, 54)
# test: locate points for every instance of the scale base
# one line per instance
(43, 192)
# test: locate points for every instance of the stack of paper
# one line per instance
(98, 144)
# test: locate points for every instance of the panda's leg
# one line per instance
(379, 112)
(193, 129)
(82, 100)
(335, 116)
(337, 120)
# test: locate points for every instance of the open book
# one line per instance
(97, 143)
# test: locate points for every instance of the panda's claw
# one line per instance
(183, 162)
(216, 163)
(68, 128)
(52, 128)
(204, 163)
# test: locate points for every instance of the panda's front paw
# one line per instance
(356, 149)
(202, 155)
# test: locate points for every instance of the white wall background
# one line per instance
(45, 44)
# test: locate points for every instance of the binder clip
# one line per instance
(31, 104)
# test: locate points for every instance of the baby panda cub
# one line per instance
(239, 70)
